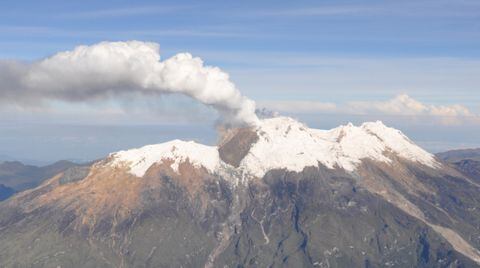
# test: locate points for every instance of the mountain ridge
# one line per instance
(276, 139)
(5, 192)
(19, 176)
(459, 155)
(186, 204)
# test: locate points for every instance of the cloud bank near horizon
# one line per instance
(401, 105)
(110, 70)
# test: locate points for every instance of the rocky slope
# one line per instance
(467, 161)
(276, 195)
(470, 168)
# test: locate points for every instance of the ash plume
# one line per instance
(113, 69)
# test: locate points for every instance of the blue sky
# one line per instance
(335, 59)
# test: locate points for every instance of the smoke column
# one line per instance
(111, 69)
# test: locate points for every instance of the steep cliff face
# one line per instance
(280, 194)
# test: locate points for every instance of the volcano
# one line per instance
(279, 194)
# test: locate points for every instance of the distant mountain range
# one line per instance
(466, 161)
(279, 194)
(4, 157)
(459, 155)
(33, 162)
(16, 176)
(5, 192)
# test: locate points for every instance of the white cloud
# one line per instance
(406, 105)
(111, 70)
(401, 106)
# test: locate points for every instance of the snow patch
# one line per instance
(141, 159)
(285, 143)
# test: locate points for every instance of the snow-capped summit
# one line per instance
(216, 198)
(139, 160)
(284, 143)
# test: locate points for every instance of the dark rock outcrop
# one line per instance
(234, 148)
